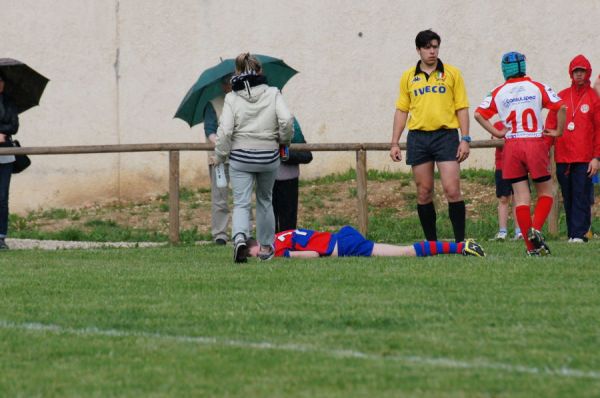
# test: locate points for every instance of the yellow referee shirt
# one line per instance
(432, 101)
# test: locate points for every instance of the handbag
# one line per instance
(21, 161)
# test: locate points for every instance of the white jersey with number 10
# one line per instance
(519, 103)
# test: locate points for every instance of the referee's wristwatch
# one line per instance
(466, 138)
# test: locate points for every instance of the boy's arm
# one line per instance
(561, 115)
(303, 254)
(488, 126)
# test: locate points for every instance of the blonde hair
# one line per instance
(247, 63)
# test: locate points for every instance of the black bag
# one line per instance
(21, 161)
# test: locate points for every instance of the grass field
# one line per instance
(185, 321)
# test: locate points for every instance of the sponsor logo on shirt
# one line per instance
(429, 89)
(416, 79)
(517, 100)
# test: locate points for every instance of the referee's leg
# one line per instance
(450, 176)
(423, 176)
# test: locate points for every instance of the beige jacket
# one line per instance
(258, 119)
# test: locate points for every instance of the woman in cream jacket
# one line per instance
(254, 122)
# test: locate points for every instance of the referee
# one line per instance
(434, 95)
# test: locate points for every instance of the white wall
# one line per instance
(119, 69)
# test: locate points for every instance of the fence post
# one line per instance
(174, 197)
(555, 210)
(361, 191)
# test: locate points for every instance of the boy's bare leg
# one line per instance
(385, 250)
(503, 204)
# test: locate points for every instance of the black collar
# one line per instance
(237, 82)
(439, 67)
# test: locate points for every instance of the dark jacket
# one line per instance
(297, 157)
(9, 117)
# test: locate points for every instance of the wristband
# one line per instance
(466, 138)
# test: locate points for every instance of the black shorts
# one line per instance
(503, 187)
(431, 146)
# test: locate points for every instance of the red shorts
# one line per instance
(525, 155)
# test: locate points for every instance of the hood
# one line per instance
(252, 94)
(249, 86)
(580, 61)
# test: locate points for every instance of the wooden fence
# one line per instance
(174, 149)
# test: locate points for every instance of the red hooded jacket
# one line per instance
(583, 109)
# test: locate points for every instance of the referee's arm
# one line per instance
(400, 118)
(463, 121)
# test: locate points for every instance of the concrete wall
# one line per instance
(119, 69)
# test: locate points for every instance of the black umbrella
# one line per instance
(23, 84)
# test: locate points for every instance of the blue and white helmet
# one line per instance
(513, 64)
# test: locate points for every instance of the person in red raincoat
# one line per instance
(577, 151)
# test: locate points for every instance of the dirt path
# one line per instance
(24, 244)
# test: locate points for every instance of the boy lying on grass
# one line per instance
(349, 242)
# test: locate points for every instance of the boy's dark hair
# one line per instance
(425, 37)
(250, 243)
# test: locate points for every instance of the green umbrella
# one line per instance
(208, 85)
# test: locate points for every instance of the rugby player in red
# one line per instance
(348, 242)
(519, 102)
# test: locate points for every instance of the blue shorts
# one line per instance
(351, 243)
(503, 187)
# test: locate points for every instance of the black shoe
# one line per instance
(220, 242)
(239, 249)
(537, 239)
(3, 245)
(473, 248)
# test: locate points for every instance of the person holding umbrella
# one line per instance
(204, 103)
(21, 88)
(219, 215)
(254, 122)
(9, 125)
(285, 190)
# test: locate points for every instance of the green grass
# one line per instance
(129, 322)
(483, 176)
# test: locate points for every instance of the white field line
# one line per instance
(336, 353)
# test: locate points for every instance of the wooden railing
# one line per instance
(174, 149)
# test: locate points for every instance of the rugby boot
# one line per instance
(537, 239)
(473, 248)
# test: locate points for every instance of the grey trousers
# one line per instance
(219, 212)
(243, 178)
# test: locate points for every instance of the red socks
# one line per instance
(540, 213)
(524, 220)
(542, 209)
